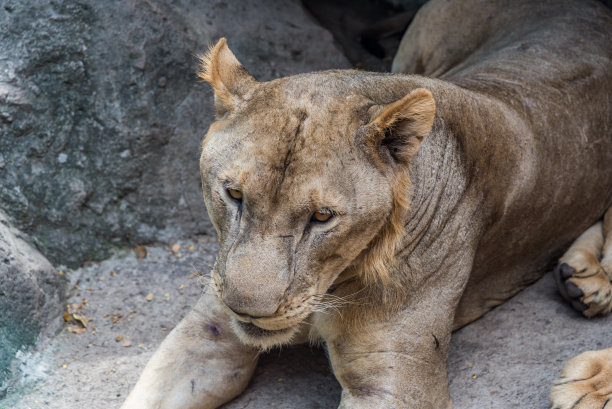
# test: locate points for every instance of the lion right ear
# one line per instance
(401, 126)
(229, 79)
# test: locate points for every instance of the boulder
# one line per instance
(406, 4)
(31, 297)
(102, 115)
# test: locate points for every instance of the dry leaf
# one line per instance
(176, 247)
(112, 273)
(80, 319)
(127, 343)
(119, 338)
(190, 248)
(149, 297)
(67, 317)
(195, 274)
(141, 252)
(180, 287)
(76, 330)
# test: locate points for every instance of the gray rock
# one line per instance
(31, 297)
(406, 4)
(101, 114)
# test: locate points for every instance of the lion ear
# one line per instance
(401, 125)
(229, 79)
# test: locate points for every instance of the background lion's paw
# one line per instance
(585, 383)
(586, 286)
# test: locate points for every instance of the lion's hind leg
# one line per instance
(581, 277)
(585, 383)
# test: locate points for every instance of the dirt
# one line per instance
(507, 359)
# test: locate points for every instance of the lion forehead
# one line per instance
(276, 150)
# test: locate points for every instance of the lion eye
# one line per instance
(235, 194)
(321, 217)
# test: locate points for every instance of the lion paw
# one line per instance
(585, 383)
(586, 286)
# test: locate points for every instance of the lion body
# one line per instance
(409, 205)
(549, 64)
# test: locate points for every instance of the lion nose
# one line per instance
(249, 309)
(256, 303)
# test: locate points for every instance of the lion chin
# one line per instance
(264, 339)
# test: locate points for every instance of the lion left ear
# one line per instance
(229, 79)
(401, 125)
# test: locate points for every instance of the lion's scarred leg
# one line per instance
(585, 383)
(394, 362)
(580, 277)
(201, 364)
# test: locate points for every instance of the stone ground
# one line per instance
(507, 359)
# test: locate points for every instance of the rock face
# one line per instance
(101, 114)
(406, 4)
(31, 296)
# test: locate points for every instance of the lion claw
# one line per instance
(568, 290)
(566, 270)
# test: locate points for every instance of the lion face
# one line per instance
(298, 187)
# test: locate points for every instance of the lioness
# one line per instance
(378, 212)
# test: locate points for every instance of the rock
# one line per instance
(101, 113)
(31, 297)
(406, 4)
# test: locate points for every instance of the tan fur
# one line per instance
(585, 382)
(448, 195)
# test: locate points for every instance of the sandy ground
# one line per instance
(508, 359)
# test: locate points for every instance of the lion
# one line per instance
(375, 213)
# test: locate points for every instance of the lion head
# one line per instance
(305, 179)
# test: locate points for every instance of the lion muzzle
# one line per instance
(255, 281)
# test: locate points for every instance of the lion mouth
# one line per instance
(254, 331)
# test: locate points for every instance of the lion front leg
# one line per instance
(201, 364)
(394, 362)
